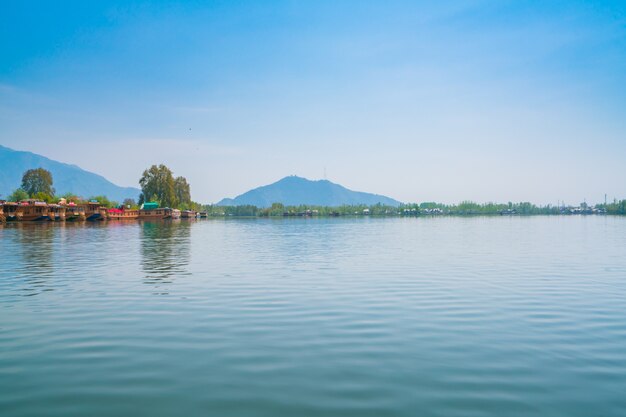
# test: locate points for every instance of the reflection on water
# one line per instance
(165, 250)
(36, 249)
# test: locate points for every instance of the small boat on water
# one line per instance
(122, 214)
(56, 212)
(33, 211)
(203, 214)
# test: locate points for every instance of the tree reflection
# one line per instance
(165, 250)
(37, 245)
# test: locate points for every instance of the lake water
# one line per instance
(485, 316)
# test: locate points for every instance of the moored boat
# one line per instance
(122, 214)
(2, 219)
(203, 214)
(12, 212)
(187, 214)
(74, 212)
(94, 211)
(175, 214)
(56, 212)
(152, 211)
(33, 211)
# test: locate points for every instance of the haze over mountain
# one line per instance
(294, 190)
(66, 178)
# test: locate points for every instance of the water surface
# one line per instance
(486, 316)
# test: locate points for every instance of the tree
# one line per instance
(104, 201)
(129, 203)
(71, 197)
(18, 195)
(36, 181)
(45, 197)
(183, 192)
(157, 184)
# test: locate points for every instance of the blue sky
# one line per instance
(446, 101)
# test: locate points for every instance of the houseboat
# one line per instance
(122, 214)
(2, 219)
(152, 211)
(74, 212)
(33, 211)
(187, 214)
(203, 214)
(56, 212)
(12, 213)
(175, 214)
(94, 211)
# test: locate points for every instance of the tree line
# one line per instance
(464, 208)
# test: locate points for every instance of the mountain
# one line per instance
(66, 178)
(293, 191)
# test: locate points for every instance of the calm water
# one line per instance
(322, 317)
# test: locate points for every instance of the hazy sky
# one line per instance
(446, 101)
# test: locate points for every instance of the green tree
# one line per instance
(36, 181)
(157, 183)
(44, 197)
(129, 203)
(183, 192)
(71, 197)
(18, 195)
(104, 201)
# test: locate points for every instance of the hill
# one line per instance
(293, 191)
(67, 178)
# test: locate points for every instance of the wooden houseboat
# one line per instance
(122, 214)
(203, 214)
(187, 214)
(94, 211)
(152, 211)
(12, 212)
(175, 214)
(56, 212)
(2, 219)
(74, 212)
(33, 211)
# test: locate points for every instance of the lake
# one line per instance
(449, 316)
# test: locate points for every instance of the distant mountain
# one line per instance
(66, 178)
(293, 191)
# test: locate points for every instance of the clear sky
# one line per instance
(418, 100)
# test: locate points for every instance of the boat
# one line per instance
(12, 213)
(33, 211)
(94, 211)
(175, 214)
(122, 214)
(74, 212)
(203, 214)
(56, 212)
(187, 214)
(152, 211)
(2, 219)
